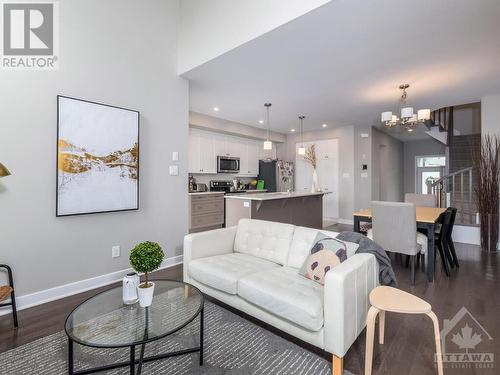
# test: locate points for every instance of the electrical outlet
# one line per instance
(115, 251)
(173, 170)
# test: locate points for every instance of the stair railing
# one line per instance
(447, 185)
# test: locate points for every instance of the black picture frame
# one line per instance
(58, 214)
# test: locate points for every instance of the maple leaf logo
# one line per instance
(466, 340)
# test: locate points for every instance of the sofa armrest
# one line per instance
(346, 302)
(206, 244)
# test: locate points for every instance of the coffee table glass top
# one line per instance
(104, 321)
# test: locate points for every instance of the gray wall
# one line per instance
(119, 52)
(387, 170)
(345, 135)
(418, 148)
(362, 178)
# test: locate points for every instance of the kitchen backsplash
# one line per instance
(206, 178)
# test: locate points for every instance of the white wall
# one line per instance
(212, 28)
(118, 52)
(345, 135)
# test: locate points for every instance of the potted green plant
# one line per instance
(144, 258)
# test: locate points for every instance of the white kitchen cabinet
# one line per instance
(233, 146)
(253, 157)
(205, 146)
(208, 158)
(202, 158)
(193, 152)
(249, 158)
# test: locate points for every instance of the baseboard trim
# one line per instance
(466, 234)
(38, 298)
(345, 221)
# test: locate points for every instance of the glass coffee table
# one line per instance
(103, 321)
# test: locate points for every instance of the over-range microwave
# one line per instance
(226, 164)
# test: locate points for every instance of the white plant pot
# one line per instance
(146, 294)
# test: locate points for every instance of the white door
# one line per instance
(328, 174)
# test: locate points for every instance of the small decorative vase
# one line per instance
(146, 294)
(129, 289)
(314, 185)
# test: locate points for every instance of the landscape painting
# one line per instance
(97, 158)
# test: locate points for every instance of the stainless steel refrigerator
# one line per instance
(278, 175)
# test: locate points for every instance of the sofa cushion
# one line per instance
(286, 294)
(223, 271)
(303, 241)
(326, 253)
(264, 239)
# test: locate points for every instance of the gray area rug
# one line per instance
(233, 345)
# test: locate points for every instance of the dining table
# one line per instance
(426, 218)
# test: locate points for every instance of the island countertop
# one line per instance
(273, 196)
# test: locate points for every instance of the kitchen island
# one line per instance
(304, 209)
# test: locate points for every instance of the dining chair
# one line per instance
(6, 290)
(395, 229)
(425, 200)
(449, 239)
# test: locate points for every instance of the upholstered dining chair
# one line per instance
(7, 291)
(395, 229)
(425, 200)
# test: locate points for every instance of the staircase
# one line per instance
(456, 188)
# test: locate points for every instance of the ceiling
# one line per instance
(341, 64)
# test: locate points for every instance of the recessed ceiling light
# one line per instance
(261, 121)
(216, 109)
(292, 130)
(324, 125)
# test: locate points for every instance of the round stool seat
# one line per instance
(5, 291)
(386, 298)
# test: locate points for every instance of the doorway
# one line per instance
(428, 169)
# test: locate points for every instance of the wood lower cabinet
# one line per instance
(206, 211)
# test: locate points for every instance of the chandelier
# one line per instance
(408, 118)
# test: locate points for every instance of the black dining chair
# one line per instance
(441, 240)
(5, 291)
(449, 240)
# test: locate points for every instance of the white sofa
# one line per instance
(254, 268)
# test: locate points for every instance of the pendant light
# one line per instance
(268, 145)
(301, 150)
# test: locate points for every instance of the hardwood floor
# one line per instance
(409, 345)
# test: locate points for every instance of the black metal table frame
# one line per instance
(132, 362)
(431, 249)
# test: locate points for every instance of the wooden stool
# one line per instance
(385, 298)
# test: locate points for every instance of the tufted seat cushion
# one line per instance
(284, 293)
(264, 239)
(222, 272)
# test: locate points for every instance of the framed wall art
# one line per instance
(97, 158)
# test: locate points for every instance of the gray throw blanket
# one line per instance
(386, 273)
